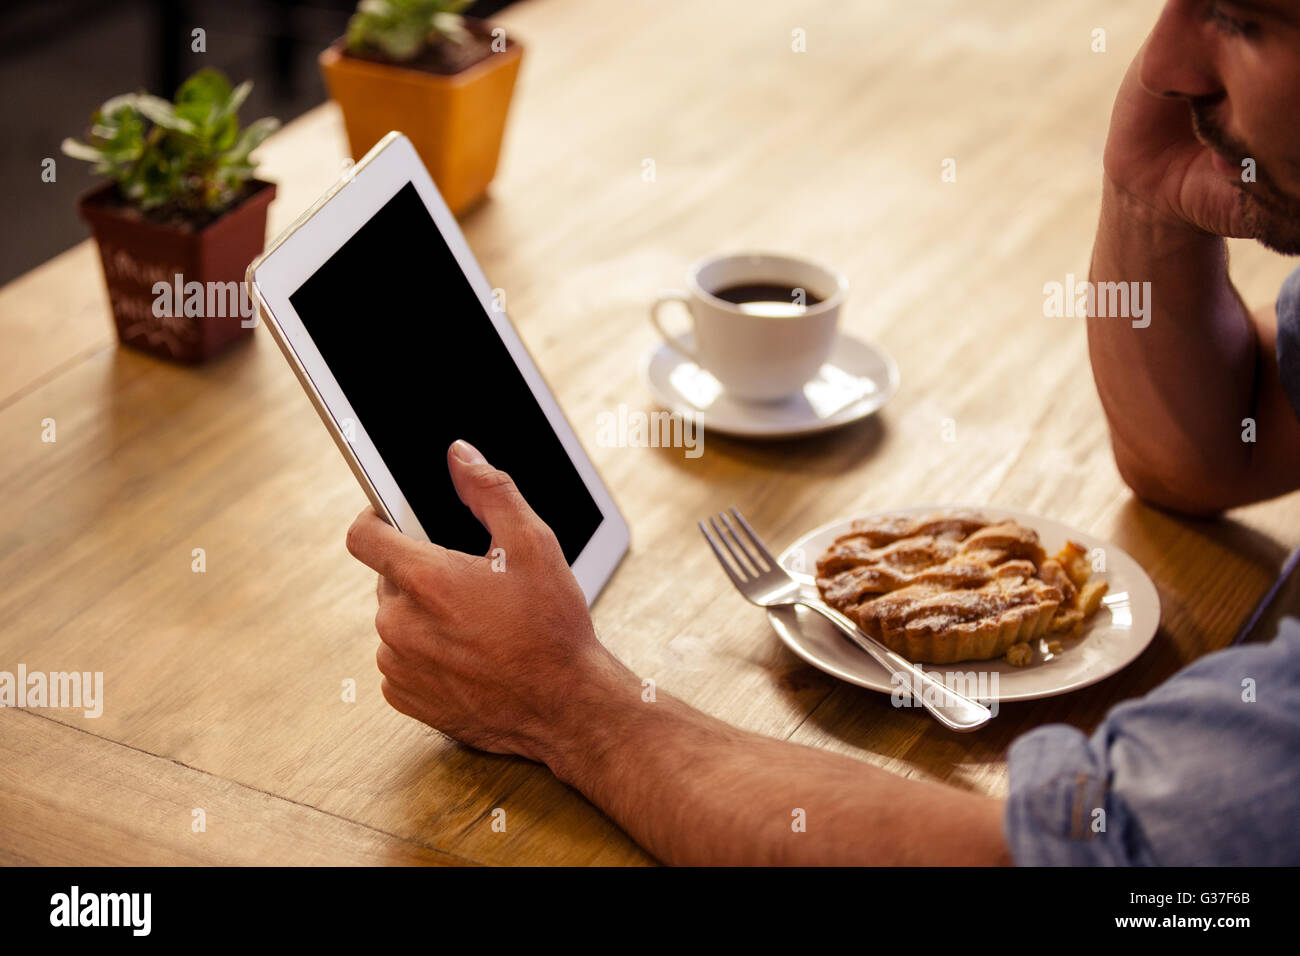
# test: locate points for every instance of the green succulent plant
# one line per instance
(187, 158)
(401, 29)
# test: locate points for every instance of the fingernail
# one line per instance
(467, 452)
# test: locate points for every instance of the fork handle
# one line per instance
(953, 710)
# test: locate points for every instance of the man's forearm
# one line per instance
(1175, 392)
(693, 790)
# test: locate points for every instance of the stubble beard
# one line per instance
(1270, 215)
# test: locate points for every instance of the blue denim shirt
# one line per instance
(1202, 770)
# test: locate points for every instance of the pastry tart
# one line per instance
(956, 586)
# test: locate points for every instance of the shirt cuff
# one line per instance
(1061, 810)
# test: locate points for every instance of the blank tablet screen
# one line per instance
(407, 339)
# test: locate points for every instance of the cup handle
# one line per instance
(672, 295)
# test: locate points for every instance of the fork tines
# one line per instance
(750, 566)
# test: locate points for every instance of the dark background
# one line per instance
(59, 59)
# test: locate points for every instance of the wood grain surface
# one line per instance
(223, 690)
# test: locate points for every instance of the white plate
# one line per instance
(1119, 631)
(858, 379)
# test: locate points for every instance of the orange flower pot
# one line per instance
(455, 122)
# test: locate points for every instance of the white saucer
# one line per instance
(1118, 633)
(858, 380)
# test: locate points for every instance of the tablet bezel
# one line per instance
(306, 245)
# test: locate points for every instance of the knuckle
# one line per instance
(385, 625)
(353, 539)
(390, 663)
(494, 479)
(538, 538)
(424, 583)
(395, 698)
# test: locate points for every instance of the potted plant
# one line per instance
(419, 67)
(181, 216)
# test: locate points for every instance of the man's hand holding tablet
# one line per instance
(458, 631)
(397, 337)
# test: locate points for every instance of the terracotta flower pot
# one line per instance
(185, 322)
(455, 122)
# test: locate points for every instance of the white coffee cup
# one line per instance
(758, 353)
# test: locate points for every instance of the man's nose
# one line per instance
(1179, 56)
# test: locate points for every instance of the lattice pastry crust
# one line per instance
(956, 586)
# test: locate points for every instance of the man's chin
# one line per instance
(1274, 224)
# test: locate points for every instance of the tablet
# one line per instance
(395, 334)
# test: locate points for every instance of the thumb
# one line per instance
(488, 492)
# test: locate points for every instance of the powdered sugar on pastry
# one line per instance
(948, 587)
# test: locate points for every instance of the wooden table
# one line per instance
(224, 689)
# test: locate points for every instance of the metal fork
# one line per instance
(767, 584)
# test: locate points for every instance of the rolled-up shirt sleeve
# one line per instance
(1288, 338)
(1202, 770)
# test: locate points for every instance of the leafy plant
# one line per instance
(401, 29)
(187, 158)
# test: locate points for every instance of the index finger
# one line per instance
(380, 546)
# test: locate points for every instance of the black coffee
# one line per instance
(770, 297)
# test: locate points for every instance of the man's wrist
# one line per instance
(1129, 213)
(596, 711)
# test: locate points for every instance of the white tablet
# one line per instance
(378, 304)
